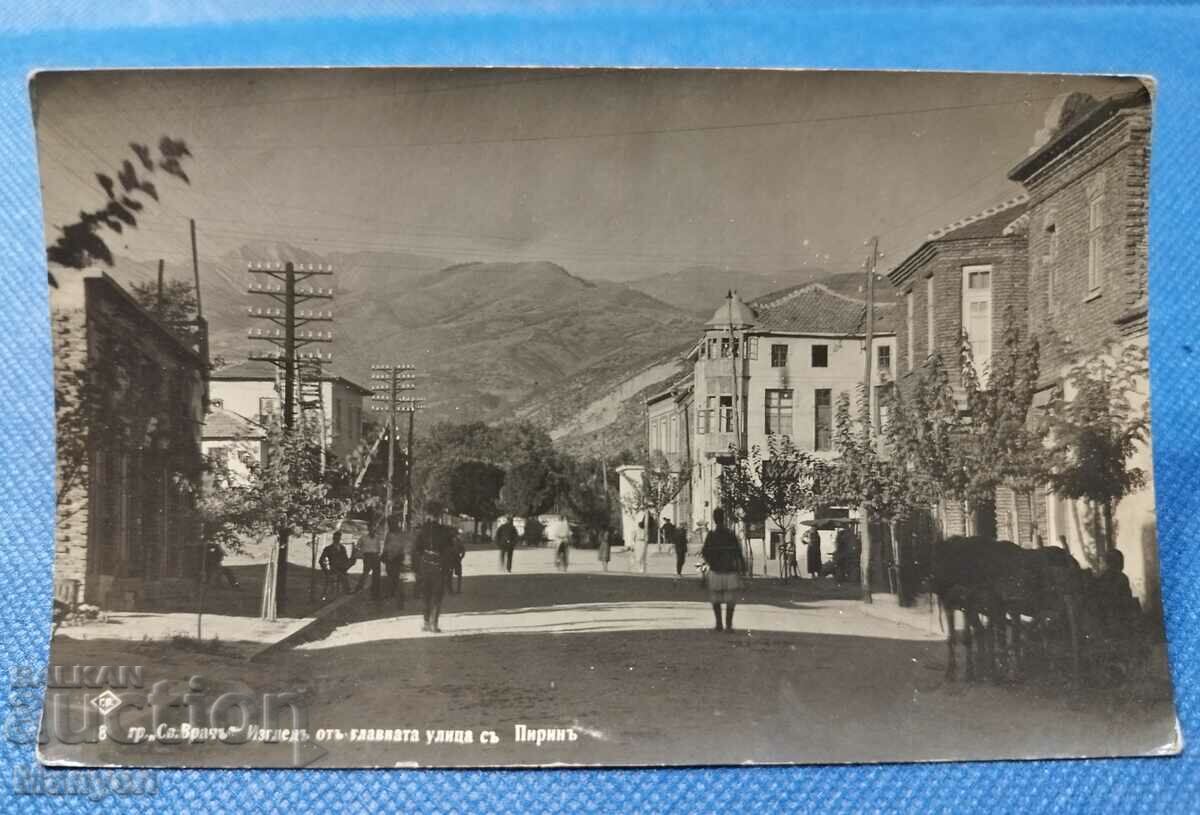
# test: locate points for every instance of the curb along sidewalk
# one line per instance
(919, 615)
(249, 637)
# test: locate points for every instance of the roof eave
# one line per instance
(1076, 133)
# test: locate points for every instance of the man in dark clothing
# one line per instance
(675, 536)
(454, 568)
(506, 540)
(335, 565)
(214, 560)
(726, 563)
(435, 548)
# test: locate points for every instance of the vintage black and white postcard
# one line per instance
(475, 417)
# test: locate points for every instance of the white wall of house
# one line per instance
(786, 391)
(237, 454)
(344, 407)
(1134, 519)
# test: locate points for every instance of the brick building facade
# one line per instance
(130, 398)
(1088, 290)
(969, 278)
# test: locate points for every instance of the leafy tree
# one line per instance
(530, 489)
(474, 490)
(79, 244)
(178, 300)
(1094, 433)
(862, 476)
(660, 483)
(288, 493)
(586, 498)
(1001, 445)
(924, 437)
(778, 487)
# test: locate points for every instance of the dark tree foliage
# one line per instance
(82, 243)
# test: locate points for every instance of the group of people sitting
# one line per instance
(433, 549)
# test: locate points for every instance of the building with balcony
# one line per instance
(777, 367)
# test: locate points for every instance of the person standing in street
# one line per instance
(506, 541)
(726, 564)
(604, 550)
(393, 559)
(435, 547)
(335, 564)
(214, 563)
(370, 549)
(812, 552)
(640, 544)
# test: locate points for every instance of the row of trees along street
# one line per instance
(941, 448)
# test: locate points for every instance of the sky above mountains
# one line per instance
(615, 175)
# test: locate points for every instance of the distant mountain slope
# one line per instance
(492, 340)
(699, 289)
(486, 338)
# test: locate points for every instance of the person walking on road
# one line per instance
(677, 537)
(604, 550)
(506, 540)
(335, 565)
(435, 548)
(726, 564)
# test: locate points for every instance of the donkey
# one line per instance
(962, 579)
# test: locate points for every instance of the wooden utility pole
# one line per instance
(864, 566)
(288, 339)
(159, 300)
(195, 268)
(389, 382)
(412, 409)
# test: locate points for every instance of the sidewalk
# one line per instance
(239, 635)
(919, 616)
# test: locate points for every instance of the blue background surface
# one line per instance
(1160, 40)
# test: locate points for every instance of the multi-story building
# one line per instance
(967, 281)
(777, 367)
(669, 433)
(1088, 287)
(131, 395)
(251, 389)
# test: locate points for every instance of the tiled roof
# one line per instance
(250, 369)
(814, 308)
(225, 424)
(256, 370)
(733, 311)
(990, 223)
